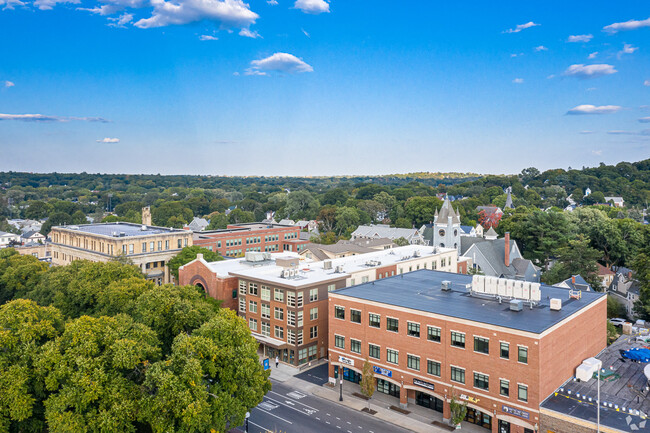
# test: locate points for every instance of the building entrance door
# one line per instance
(504, 426)
(479, 418)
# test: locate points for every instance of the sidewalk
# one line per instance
(419, 420)
(284, 372)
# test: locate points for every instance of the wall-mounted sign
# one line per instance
(266, 364)
(469, 398)
(344, 360)
(424, 384)
(516, 412)
(382, 371)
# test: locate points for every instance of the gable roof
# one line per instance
(446, 212)
(576, 282)
(494, 253)
(385, 231)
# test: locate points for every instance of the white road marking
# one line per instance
(304, 411)
(328, 414)
(289, 402)
(317, 418)
(327, 422)
(278, 417)
(349, 422)
(297, 395)
(338, 426)
(268, 406)
(338, 418)
(284, 396)
(257, 425)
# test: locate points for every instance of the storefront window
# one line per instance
(387, 387)
(429, 401)
(479, 418)
(351, 375)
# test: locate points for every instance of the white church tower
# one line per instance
(446, 227)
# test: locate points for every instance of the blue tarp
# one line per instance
(636, 354)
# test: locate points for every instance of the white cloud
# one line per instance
(627, 25)
(108, 140)
(597, 152)
(521, 27)
(44, 118)
(121, 20)
(11, 4)
(208, 38)
(228, 13)
(579, 38)
(249, 34)
(541, 48)
(9, 84)
(644, 120)
(272, 2)
(593, 109)
(110, 7)
(312, 6)
(518, 80)
(590, 89)
(516, 54)
(589, 71)
(306, 34)
(643, 132)
(587, 132)
(46, 5)
(627, 49)
(646, 83)
(278, 62)
(592, 55)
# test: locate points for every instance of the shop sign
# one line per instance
(469, 398)
(344, 360)
(516, 412)
(423, 384)
(382, 371)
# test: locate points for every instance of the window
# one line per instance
(266, 329)
(339, 312)
(457, 339)
(313, 313)
(252, 289)
(481, 381)
(278, 313)
(443, 262)
(481, 345)
(242, 287)
(364, 279)
(374, 320)
(166, 245)
(242, 305)
(252, 306)
(299, 321)
(278, 295)
(523, 354)
(331, 287)
(266, 311)
(291, 299)
(373, 351)
(413, 362)
(413, 329)
(313, 295)
(279, 332)
(392, 324)
(291, 318)
(504, 389)
(458, 374)
(355, 346)
(523, 393)
(131, 248)
(299, 339)
(151, 246)
(291, 336)
(299, 300)
(392, 356)
(159, 245)
(144, 247)
(339, 341)
(505, 350)
(180, 243)
(313, 332)
(266, 293)
(355, 316)
(252, 324)
(433, 367)
(433, 334)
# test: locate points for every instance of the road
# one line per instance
(289, 410)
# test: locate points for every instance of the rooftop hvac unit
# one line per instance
(516, 305)
(114, 234)
(556, 304)
(501, 287)
(267, 256)
(285, 273)
(491, 285)
(525, 290)
(143, 228)
(518, 291)
(339, 269)
(510, 287)
(122, 234)
(416, 253)
(292, 272)
(327, 264)
(478, 283)
(535, 292)
(445, 286)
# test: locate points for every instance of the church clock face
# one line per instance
(441, 232)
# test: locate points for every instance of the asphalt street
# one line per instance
(288, 410)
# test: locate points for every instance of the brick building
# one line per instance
(283, 296)
(428, 336)
(238, 239)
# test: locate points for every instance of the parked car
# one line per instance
(617, 321)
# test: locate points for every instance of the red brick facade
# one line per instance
(548, 362)
(224, 289)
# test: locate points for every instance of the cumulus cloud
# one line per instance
(593, 109)
(110, 7)
(9, 84)
(516, 54)
(228, 13)
(249, 34)
(597, 152)
(11, 4)
(579, 38)
(121, 20)
(627, 49)
(46, 5)
(272, 2)
(312, 6)
(44, 118)
(278, 62)
(592, 55)
(644, 120)
(108, 140)
(518, 80)
(541, 48)
(646, 83)
(627, 25)
(208, 38)
(589, 71)
(521, 27)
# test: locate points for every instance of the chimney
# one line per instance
(146, 216)
(199, 256)
(507, 249)
(573, 279)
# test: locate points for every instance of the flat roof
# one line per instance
(623, 385)
(313, 272)
(129, 229)
(421, 290)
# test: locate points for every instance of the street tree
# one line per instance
(188, 254)
(367, 381)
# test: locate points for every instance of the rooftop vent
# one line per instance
(114, 234)
(556, 304)
(122, 234)
(143, 228)
(445, 286)
(516, 305)
(416, 253)
(327, 264)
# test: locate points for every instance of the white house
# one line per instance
(7, 238)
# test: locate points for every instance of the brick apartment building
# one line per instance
(283, 297)
(426, 343)
(238, 239)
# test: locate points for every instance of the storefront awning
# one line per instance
(278, 344)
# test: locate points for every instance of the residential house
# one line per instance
(345, 248)
(625, 289)
(576, 282)
(605, 275)
(33, 236)
(618, 201)
(375, 231)
(8, 239)
(197, 224)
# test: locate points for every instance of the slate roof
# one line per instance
(466, 229)
(29, 234)
(491, 232)
(579, 284)
(198, 224)
(384, 231)
(494, 253)
(447, 211)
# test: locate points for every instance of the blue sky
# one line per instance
(305, 87)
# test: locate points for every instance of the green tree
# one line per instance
(55, 219)
(218, 221)
(37, 210)
(238, 216)
(614, 307)
(421, 210)
(367, 381)
(188, 254)
(347, 219)
(575, 258)
(458, 410)
(18, 275)
(401, 242)
(404, 223)
(171, 214)
(301, 205)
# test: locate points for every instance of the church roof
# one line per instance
(447, 211)
(491, 233)
(508, 201)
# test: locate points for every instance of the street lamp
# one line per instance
(248, 414)
(341, 383)
(600, 365)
